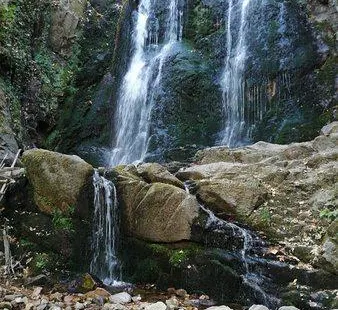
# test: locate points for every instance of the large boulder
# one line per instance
(60, 182)
(156, 212)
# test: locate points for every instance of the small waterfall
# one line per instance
(105, 263)
(284, 42)
(250, 278)
(142, 79)
(233, 83)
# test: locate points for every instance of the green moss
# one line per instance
(175, 257)
(178, 257)
(265, 215)
(7, 15)
(330, 214)
(328, 35)
(41, 262)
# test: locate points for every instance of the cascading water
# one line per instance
(105, 263)
(249, 278)
(232, 82)
(142, 79)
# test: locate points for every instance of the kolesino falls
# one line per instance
(168, 155)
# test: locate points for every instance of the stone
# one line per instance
(29, 306)
(326, 143)
(5, 305)
(41, 307)
(108, 306)
(219, 308)
(157, 306)
(55, 308)
(59, 181)
(172, 303)
(11, 297)
(56, 296)
(258, 307)
(120, 298)
(98, 292)
(40, 279)
(329, 129)
(37, 291)
(181, 292)
(171, 290)
(288, 308)
(156, 212)
(79, 306)
(153, 172)
(136, 298)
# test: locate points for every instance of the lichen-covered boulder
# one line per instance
(156, 212)
(59, 181)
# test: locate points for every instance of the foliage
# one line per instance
(7, 15)
(178, 257)
(41, 262)
(265, 215)
(329, 214)
(62, 220)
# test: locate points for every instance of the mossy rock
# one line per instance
(60, 182)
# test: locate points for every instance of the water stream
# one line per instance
(104, 263)
(143, 78)
(250, 278)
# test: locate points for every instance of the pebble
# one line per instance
(219, 308)
(171, 291)
(288, 308)
(37, 291)
(79, 306)
(29, 306)
(56, 296)
(258, 307)
(108, 306)
(11, 297)
(136, 298)
(120, 298)
(181, 292)
(172, 303)
(157, 306)
(5, 305)
(55, 308)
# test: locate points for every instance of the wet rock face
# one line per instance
(188, 105)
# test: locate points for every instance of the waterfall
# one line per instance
(143, 78)
(105, 263)
(252, 280)
(232, 82)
